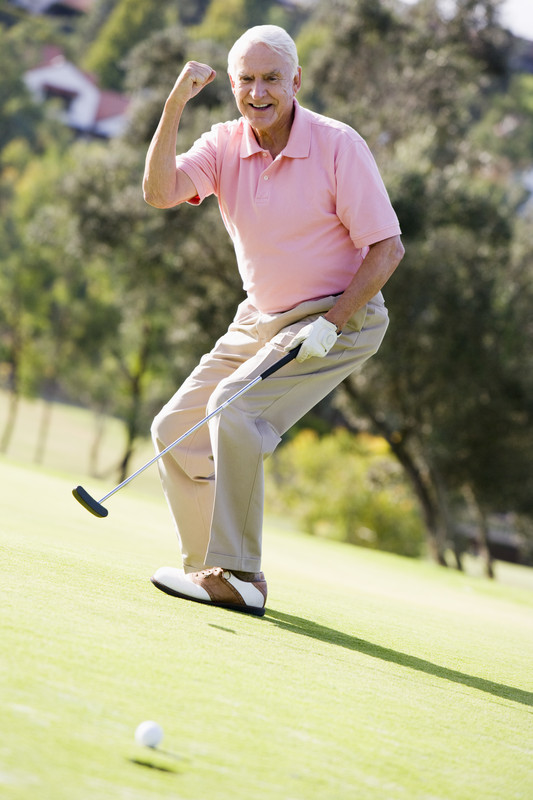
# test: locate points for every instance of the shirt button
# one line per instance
(265, 178)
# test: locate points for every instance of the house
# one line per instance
(55, 7)
(84, 107)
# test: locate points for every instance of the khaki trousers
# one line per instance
(213, 481)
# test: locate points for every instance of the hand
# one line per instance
(191, 80)
(318, 338)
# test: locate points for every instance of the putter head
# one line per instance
(88, 502)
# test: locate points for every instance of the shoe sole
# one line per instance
(256, 611)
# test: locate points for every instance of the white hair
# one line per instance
(272, 36)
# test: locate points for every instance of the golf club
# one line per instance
(95, 506)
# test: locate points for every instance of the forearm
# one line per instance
(160, 174)
(373, 274)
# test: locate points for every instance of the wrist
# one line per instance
(176, 101)
(338, 328)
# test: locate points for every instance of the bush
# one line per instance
(346, 488)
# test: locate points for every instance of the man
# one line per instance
(316, 238)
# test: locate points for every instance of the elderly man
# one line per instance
(316, 238)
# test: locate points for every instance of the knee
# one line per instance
(219, 396)
(165, 429)
(156, 429)
(193, 455)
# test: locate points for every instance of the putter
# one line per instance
(95, 506)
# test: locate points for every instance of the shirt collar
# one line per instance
(299, 142)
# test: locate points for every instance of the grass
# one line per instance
(381, 678)
(70, 438)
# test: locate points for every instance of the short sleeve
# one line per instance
(363, 204)
(200, 165)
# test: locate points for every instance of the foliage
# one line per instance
(129, 22)
(506, 130)
(347, 488)
(22, 118)
(445, 389)
(381, 71)
(449, 390)
(171, 285)
(226, 20)
(152, 68)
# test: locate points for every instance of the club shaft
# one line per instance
(268, 371)
(199, 424)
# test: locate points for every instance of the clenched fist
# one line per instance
(191, 80)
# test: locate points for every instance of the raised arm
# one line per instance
(163, 184)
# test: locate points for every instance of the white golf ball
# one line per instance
(149, 733)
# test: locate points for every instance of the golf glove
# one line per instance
(318, 338)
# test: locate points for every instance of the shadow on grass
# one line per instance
(143, 762)
(159, 761)
(306, 627)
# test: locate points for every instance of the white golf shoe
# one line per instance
(216, 587)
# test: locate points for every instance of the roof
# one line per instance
(112, 104)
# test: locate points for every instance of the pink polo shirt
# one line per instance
(301, 223)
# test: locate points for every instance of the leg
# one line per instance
(187, 472)
(249, 430)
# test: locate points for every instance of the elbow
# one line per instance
(154, 193)
(151, 201)
(396, 253)
(399, 250)
(156, 202)
(152, 198)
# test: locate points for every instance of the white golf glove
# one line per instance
(318, 338)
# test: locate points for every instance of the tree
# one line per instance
(128, 298)
(368, 503)
(433, 389)
(444, 377)
(169, 282)
(26, 131)
(24, 120)
(50, 312)
(129, 22)
(225, 20)
(152, 69)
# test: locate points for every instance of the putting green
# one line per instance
(371, 676)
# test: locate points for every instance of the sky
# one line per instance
(517, 15)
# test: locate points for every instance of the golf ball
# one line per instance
(149, 733)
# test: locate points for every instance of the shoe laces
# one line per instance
(215, 572)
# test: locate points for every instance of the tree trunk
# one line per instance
(447, 532)
(420, 481)
(13, 406)
(9, 427)
(132, 424)
(482, 531)
(44, 430)
(96, 442)
(136, 394)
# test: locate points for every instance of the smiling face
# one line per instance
(265, 84)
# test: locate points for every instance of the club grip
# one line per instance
(290, 356)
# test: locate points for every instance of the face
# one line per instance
(264, 85)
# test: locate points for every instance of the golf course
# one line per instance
(370, 676)
(298, 231)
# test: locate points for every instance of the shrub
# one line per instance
(345, 487)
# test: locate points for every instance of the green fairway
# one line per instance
(379, 678)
